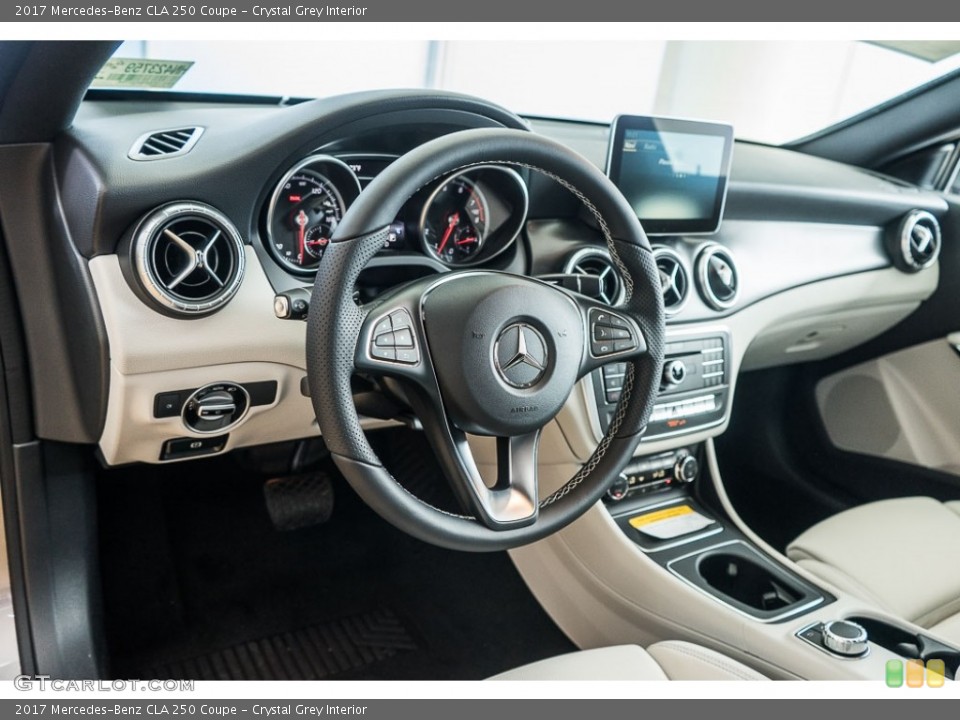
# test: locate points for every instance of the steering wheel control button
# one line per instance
(383, 327)
(845, 638)
(521, 355)
(611, 334)
(383, 353)
(180, 448)
(400, 319)
(215, 407)
(393, 340)
(403, 338)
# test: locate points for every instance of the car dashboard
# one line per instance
(162, 360)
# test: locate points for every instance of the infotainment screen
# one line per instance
(673, 172)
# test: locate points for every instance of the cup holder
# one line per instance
(741, 577)
(747, 581)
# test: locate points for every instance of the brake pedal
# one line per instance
(298, 501)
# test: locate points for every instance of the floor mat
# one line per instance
(313, 653)
(191, 565)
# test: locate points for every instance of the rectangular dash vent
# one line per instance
(165, 143)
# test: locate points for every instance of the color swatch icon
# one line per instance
(894, 673)
(914, 673)
(935, 673)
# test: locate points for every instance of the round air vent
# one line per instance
(593, 261)
(673, 279)
(187, 259)
(914, 243)
(717, 277)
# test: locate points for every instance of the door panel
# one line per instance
(903, 406)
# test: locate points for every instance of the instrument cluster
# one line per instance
(463, 219)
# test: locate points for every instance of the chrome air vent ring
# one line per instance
(673, 277)
(915, 245)
(717, 277)
(187, 259)
(597, 262)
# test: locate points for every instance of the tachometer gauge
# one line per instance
(454, 221)
(306, 208)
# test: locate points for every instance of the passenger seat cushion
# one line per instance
(621, 662)
(900, 554)
(948, 629)
(671, 660)
(686, 661)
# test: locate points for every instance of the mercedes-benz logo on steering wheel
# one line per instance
(520, 355)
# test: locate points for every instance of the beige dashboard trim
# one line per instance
(151, 353)
(143, 340)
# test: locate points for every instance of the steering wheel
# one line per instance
(483, 352)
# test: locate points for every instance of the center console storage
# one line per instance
(656, 505)
(740, 576)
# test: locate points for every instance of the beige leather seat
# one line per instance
(673, 660)
(900, 554)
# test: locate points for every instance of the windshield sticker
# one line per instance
(139, 73)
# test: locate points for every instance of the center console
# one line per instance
(653, 505)
(657, 504)
(694, 390)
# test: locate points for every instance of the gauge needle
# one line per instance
(466, 241)
(302, 222)
(451, 224)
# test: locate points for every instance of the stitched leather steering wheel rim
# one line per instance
(340, 338)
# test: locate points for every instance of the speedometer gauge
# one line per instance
(454, 221)
(305, 210)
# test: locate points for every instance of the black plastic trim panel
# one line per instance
(56, 504)
(39, 102)
(272, 139)
(65, 335)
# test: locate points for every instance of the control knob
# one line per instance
(845, 638)
(674, 372)
(215, 407)
(619, 489)
(686, 469)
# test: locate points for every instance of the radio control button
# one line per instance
(674, 372)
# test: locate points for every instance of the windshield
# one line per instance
(770, 92)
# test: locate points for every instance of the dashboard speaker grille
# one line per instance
(189, 258)
(673, 278)
(596, 262)
(165, 143)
